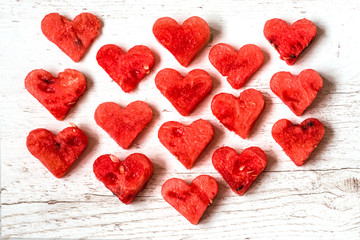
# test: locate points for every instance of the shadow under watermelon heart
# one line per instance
(323, 96)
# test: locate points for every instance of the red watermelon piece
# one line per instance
(238, 114)
(56, 94)
(184, 93)
(298, 140)
(192, 200)
(238, 66)
(239, 170)
(289, 40)
(72, 37)
(125, 178)
(186, 143)
(126, 69)
(57, 152)
(297, 92)
(183, 41)
(123, 124)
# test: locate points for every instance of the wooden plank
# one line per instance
(318, 200)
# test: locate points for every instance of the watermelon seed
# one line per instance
(239, 188)
(310, 124)
(114, 158)
(78, 42)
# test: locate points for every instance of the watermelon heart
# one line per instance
(123, 124)
(56, 94)
(289, 40)
(184, 93)
(72, 37)
(297, 92)
(183, 41)
(57, 152)
(238, 114)
(123, 178)
(192, 200)
(239, 170)
(238, 66)
(186, 143)
(298, 140)
(126, 69)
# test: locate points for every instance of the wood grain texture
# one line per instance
(320, 200)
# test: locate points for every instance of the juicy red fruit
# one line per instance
(57, 152)
(238, 66)
(297, 92)
(126, 69)
(72, 37)
(123, 124)
(56, 94)
(238, 114)
(186, 142)
(184, 93)
(298, 140)
(192, 200)
(289, 40)
(183, 41)
(239, 170)
(123, 178)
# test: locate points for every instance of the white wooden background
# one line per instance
(319, 200)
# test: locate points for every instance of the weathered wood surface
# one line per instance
(318, 200)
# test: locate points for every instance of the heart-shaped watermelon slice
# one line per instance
(123, 178)
(57, 152)
(72, 37)
(239, 170)
(238, 66)
(289, 40)
(126, 69)
(186, 143)
(183, 41)
(184, 93)
(238, 114)
(298, 140)
(56, 94)
(297, 92)
(123, 124)
(192, 200)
